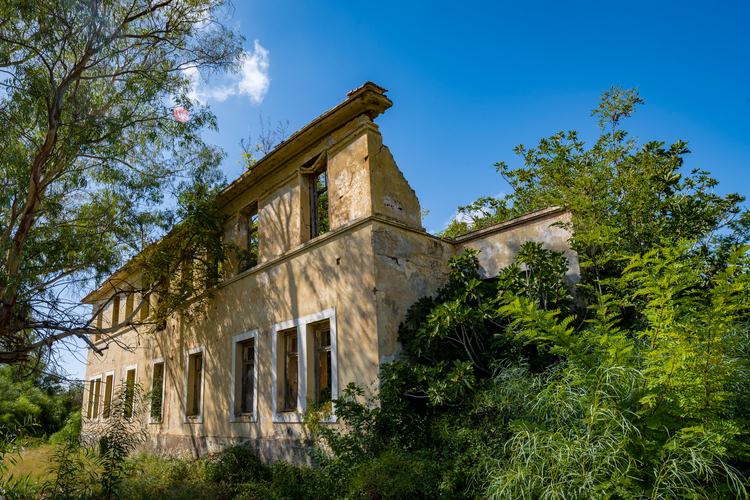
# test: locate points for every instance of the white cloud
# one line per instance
(460, 217)
(468, 216)
(251, 80)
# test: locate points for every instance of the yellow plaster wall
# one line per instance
(349, 183)
(499, 246)
(391, 194)
(335, 271)
(409, 265)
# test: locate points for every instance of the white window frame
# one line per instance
(104, 393)
(237, 339)
(304, 330)
(191, 419)
(125, 373)
(155, 362)
(94, 418)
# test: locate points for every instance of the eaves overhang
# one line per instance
(369, 99)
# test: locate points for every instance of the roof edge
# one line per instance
(508, 224)
(368, 99)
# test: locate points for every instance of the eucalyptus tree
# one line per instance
(95, 136)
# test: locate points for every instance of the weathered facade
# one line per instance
(315, 309)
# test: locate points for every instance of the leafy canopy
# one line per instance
(91, 148)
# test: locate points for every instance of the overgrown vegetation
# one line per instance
(633, 385)
(29, 392)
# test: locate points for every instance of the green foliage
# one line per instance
(76, 469)
(396, 475)
(13, 439)
(644, 412)
(483, 212)
(237, 464)
(38, 396)
(156, 399)
(73, 468)
(71, 430)
(120, 434)
(456, 339)
(92, 148)
(637, 387)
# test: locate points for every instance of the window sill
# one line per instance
(287, 417)
(243, 418)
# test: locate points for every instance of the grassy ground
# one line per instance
(235, 474)
(33, 460)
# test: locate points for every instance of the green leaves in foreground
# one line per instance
(633, 385)
(641, 413)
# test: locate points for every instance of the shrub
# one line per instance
(238, 464)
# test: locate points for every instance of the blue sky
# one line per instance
(472, 80)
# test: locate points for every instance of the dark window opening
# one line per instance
(195, 374)
(291, 371)
(116, 310)
(90, 409)
(323, 373)
(97, 394)
(248, 377)
(249, 259)
(108, 383)
(157, 392)
(319, 223)
(129, 393)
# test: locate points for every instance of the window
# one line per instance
(322, 334)
(319, 204)
(129, 300)
(144, 308)
(294, 364)
(146, 299)
(130, 388)
(99, 321)
(244, 377)
(249, 259)
(157, 391)
(109, 382)
(316, 174)
(116, 310)
(291, 371)
(92, 411)
(194, 385)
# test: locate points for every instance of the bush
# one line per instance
(72, 429)
(398, 475)
(238, 464)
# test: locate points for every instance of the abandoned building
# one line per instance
(318, 308)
